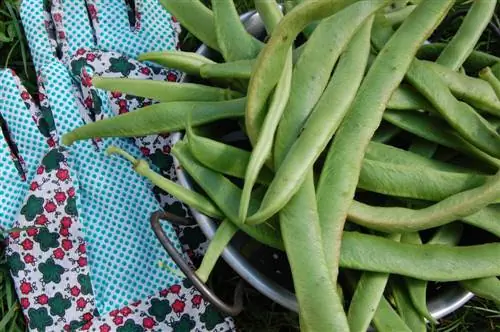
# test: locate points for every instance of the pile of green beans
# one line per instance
(359, 125)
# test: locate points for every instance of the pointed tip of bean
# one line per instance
(68, 139)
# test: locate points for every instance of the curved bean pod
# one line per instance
(398, 16)
(188, 62)
(408, 312)
(387, 319)
(235, 43)
(343, 164)
(486, 219)
(272, 58)
(165, 91)
(406, 98)
(270, 14)
(396, 219)
(462, 44)
(487, 75)
(385, 132)
(158, 118)
(487, 288)
(463, 118)
(241, 69)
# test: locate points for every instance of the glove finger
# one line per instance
(154, 28)
(21, 113)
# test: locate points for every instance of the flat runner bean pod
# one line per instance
(408, 312)
(270, 13)
(385, 132)
(369, 291)
(486, 219)
(272, 58)
(340, 91)
(313, 70)
(487, 75)
(436, 130)
(165, 91)
(189, 197)
(456, 207)
(487, 288)
(226, 196)
(463, 118)
(340, 174)
(406, 98)
(241, 69)
(188, 62)
(427, 262)
(158, 118)
(423, 147)
(462, 44)
(235, 43)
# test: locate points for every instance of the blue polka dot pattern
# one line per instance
(115, 206)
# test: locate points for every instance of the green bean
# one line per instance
(191, 198)
(241, 69)
(263, 146)
(408, 312)
(387, 319)
(226, 196)
(406, 98)
(415, 181)
(476, 61)
(486, 219)
(382, 32)
(369, 291)
(487, 288)
(341, 91)
(234, 41)
(272, 58)
(436, 130)
(188, 62)
(221, 239)
(396, 219)
(487, 75)
(423, 147)
(426, 262)
(385, 132)
(398, 16)
(462, 44)
(417, 289)
(165, 91)
(270, 14)
(215, 155)
(463, 118)
(449, 234)
(319, 302)
(343, 164)
(198, 19)
(313, 69)
(158, 118)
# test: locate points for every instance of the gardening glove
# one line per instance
(48, 256)
(104, 36)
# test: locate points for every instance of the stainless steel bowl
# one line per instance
(440, 305)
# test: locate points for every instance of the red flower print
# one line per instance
(25, 303)
(122, 103)
(26, 287)
(51, 143)
(126, 311)
(88, 102)
(42, 299)
(86, 80)
(196, 300)
(145, 70)
(136, 304)
(62, 35)
(166, 149)
(60, 197)
(34, 186)
(75, 291)
(80, 51)
(50, 207)
(41, 220)
(171, 77)
(87, 326)
(64, 232)
(40, 170)
(104, 328)
(29, 259)
(178, 306)
(57, 17)
(82, 261)
(67, 244)
(164, 292)
(66, 222)
(81, 303)
(122, 110)
(58, 253)
(27, 244)
(25, 95)
(32, 231)
(116, 94)
(175, 289)
(82, 249)
(92, 11)
(62, 174)
(15, 235)
(41, 97)
(114, 313)
(88, 316)
(174, 19)
(71, 192)
(118, 320)
(145, 151)
(148, 323)
(90, 57)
